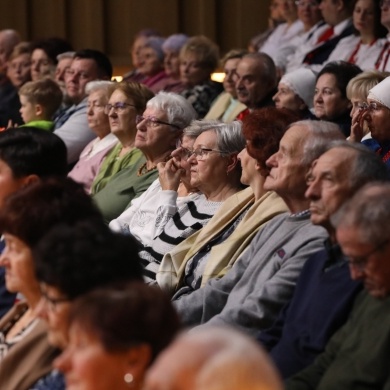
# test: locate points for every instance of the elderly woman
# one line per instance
(357, 92)
(296, 92)
(198, 59)
(158, 132)
(44, 57)
(126, 102)
(123, 331)
(213, 250)
(92, 156)
(226, 107)
(171, 48)
(25, 218)
(19, 64)
(216, 173)
(330, 99)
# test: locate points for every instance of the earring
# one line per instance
(129, 379)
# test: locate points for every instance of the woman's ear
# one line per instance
(232, 162)
(30, 179)
(137, 359)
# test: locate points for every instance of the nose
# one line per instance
(63, 362)
(89, 110)
(272, 161)
(275, 97)
(192, 159)
(313, 190)
(318, 97)
(41, 309)
(356, 272)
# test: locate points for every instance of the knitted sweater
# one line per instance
(252, 293)
(186, 221)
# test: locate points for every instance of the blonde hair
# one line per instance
(359, 86)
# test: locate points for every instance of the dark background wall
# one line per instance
(109, 25)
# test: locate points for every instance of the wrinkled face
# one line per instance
(329, 10)
(19, 267)
(287, 176)
(54, 309)
(328, 184)
(328, 101)
(156, 139)
(187, 143)
(27, 109)
(229, 80)
(80, 72)
(59, 75)
(172, 63)
(287, 98)
(97, 119)
(19, 70)
(309, 12)
(248, 165)
(209, 169)
(367, 262)
(8, 182)
(364, 16)
(192, 71)
(150, 63)
(135, 52)
(88, 366)
(378, 122)
(251, 87)
(41, 65)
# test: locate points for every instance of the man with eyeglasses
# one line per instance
(358, 355)
(72, 125)
(324, 294)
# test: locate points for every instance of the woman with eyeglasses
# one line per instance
(91, 158)
(158, 131)
(26, 217)
(127, 100)
(213, 250)
(215, 171)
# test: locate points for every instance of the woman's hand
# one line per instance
(357, 127)
(169, 175)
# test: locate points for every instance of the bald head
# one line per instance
(8, 40)
(214, 352)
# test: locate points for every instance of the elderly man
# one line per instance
(214, 351)
(256, 81)
(72, 125)
(357, 356)
(251, 294)
(324, 292)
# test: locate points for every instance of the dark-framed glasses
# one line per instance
(118, 107)
(151, 121)
(360, 262)
(203, 153)
(373, 106)
(53, 302)
(95, 106)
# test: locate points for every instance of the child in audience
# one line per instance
(39, 101)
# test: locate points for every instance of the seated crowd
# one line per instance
(172, 232)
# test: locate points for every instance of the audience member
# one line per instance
(158, 130)
(63, 64)
(39, 101)
(324, 294)
(198, 59)
(358, 354)
(215, 171)
(296, 92)
(226, 107)
(44, 57)
(129, 326)
(212, 252)
(92, 156)
(72, 125)
(127, 101)
(256, 81)
(8, 40)
(19, 64)
(251, 294)
(214, 353)
(330, 98)
(382, 61)
(171, 48)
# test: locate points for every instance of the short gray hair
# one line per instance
(368, 211)
(67, 54)
(95, 85)
(179, 111)
(321, 134)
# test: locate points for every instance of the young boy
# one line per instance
(39, 101)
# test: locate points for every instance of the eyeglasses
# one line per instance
(302, 3)
(360, 262)
(95, 106)
(53, 302)
(371, 106)
(118, 107)
(384, 3)
(151, 121)
(184, 153)
(203, 153)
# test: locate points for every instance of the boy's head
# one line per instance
(39, 100)
(28, 154)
